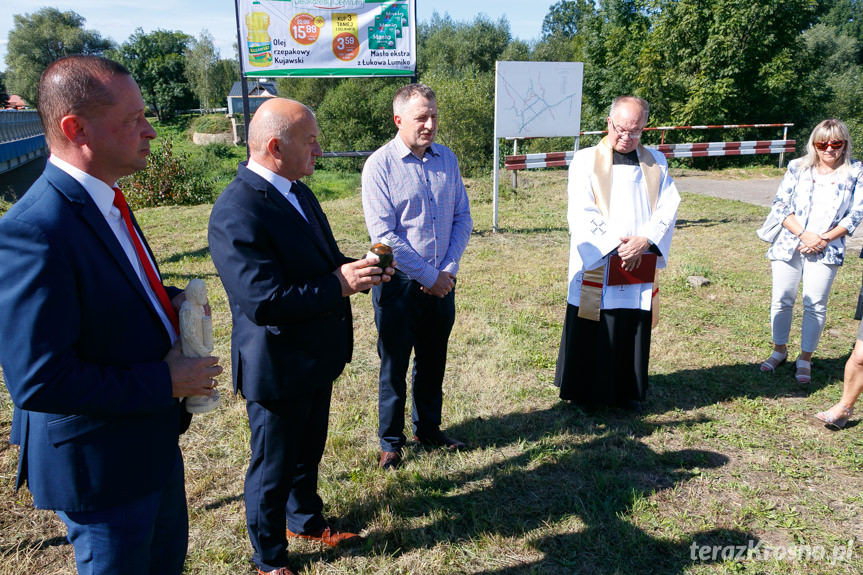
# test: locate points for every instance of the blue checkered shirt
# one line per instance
(419, 206)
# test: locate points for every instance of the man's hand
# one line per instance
(192, 375)
(630, 250)
(442, 286)
(361, 275)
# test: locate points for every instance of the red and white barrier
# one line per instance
(743, 148)
(528, 161)
(704, 149)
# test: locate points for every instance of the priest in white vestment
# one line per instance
(622, 209)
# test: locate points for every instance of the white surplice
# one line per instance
(593, 237)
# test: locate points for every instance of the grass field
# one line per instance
(723, 459)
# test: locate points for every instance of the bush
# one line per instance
(169, 179)
(216, 151)
(211, 124)
(357, 115)
(466, 117)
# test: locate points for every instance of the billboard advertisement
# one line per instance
(318, 38)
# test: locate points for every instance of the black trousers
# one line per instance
(288, 438)
(409, 320)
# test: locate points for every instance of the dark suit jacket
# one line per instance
(292, 329)
(82, 350)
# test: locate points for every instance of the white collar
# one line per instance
(279, 182)
(102, 193)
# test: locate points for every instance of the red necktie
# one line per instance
(155, 283)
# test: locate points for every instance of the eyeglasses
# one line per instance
(835, 144)
(632, 135)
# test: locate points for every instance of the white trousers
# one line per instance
(817, 279)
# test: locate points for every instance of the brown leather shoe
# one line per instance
(391, 460)
(279, 571)
(438, 439)
(329, 535)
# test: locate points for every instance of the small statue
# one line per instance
(196, 334)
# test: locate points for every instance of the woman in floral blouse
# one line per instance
(819, 202)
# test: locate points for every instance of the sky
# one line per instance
(118, 19)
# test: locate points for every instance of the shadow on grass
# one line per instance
(201, 254)
(702, 222)
(33, 545)
(693, 388)
(589, 476)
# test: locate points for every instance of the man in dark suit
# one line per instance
(87, 334)
(288, 286)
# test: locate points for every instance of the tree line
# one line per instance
(695, 61)
(174, 70)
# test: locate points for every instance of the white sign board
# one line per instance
(538, 99)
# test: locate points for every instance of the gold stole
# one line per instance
(590, 301)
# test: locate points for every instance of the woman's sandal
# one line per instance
(775, 360)
(835, 422)
(804, 371)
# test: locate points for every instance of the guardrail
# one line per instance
(21, 138)
(694, 150)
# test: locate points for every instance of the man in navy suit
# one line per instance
(288, 286)
(88, 350)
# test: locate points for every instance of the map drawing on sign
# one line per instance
(538, 99)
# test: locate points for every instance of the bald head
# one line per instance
(283, 137)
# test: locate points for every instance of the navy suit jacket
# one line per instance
(82, 350)
(292, 328)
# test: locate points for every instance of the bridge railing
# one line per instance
(21, 138)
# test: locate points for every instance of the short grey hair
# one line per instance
(266, 126)
(645, 107)
(406, 93)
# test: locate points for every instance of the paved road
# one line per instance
(755, 191)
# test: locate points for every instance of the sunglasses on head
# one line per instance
(835, 144)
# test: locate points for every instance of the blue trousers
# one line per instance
(147, 536)
(288, 439)
(409, 320)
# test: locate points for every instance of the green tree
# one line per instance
(38, 39)
(564, 30)
(157, 63)
(309, 91)
(466, 120)
(4, 96)
(566, 18)
(201, 59)
(357, 115)
(223, 76)
(446, 46)
(733, 60)
(846, 18)
(836, 78)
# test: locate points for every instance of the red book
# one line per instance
(643, 274)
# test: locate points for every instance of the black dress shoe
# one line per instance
(634, 406)
(438, 439)
(391, 459)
